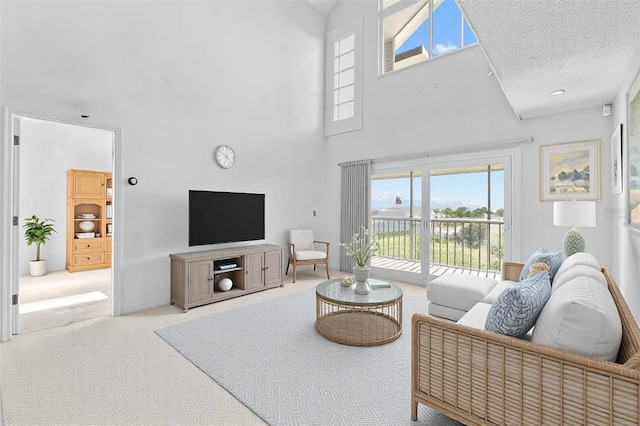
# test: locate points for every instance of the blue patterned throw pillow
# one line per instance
(554, 260)
(516, 309)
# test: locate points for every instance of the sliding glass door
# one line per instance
(469, 210)
(440, 215)
(397, 219)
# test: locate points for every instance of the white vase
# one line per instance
(361, 276)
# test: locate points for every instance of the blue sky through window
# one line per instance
(458, 190)
(446, 31)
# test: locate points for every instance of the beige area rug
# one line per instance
(270, 357)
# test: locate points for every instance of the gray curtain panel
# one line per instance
(355, 203)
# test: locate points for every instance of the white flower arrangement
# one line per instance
(361, 247)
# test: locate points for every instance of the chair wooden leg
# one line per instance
(327, 265)
(286, 272)
(294, 273)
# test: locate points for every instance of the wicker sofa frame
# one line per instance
(479, 377)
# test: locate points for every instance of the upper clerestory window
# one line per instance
(414, 31)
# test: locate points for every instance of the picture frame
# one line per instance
(633, 154)
(616, 160)
(570, 171)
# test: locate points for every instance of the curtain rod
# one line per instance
(505, 143)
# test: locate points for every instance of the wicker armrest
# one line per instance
(481, 377)
(511, 270)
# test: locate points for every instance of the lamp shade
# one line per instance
(574, 213)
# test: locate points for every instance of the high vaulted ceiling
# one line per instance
(536, 47)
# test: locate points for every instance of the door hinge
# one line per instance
(15, 221)
(16, 140)
(14, 299)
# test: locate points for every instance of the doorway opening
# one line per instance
(47, 150)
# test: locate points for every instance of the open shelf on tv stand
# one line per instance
(195, 276)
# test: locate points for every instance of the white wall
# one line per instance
(47, 151)
(180, 78)
(625, 241)
(452, 102)
(250, 74)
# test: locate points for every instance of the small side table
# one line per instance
(359, 320)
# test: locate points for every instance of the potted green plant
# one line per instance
(37, 232)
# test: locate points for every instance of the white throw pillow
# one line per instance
(581, 316)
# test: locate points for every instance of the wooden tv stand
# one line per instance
(195, 275)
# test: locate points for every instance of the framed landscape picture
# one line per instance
(633, 154)
(616, 160)
(570, 171)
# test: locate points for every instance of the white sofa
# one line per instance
(579, 365)
(579, 315)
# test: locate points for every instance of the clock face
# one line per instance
(225, 156)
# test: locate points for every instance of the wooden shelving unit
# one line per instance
(195, 276)
(89, 199)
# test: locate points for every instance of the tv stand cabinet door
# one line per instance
(273, 269)
(254, 271)
(200, 282)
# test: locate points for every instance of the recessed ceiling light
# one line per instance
(558, 92)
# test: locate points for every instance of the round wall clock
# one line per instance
(225, 157)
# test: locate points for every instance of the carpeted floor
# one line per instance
(270, 357)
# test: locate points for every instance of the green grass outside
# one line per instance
(397, 245)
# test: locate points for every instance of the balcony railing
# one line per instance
(466, 243)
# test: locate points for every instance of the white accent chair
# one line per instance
(303, 251)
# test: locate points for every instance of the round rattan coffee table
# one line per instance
(359, 320)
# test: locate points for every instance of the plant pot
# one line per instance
(37, 268)
(361, 276)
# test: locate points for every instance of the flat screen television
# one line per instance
(225, 217)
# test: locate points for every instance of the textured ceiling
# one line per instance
(538, 46)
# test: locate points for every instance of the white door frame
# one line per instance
(10, 209)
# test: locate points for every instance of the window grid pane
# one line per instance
(343, 78)
(346, 111)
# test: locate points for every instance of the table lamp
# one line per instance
(574, 213)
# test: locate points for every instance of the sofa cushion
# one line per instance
(554, 260)
(442, 311)
(577, 271)
(459, 291)
(581, 258)
(516, 309)
(581, 317)
(502, 286)
(575, 265)
(476, 316)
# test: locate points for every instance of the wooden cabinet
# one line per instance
(89, 219)
(196, 276)
(263, 269)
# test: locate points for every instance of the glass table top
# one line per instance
(334, 291)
